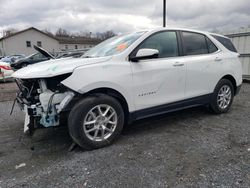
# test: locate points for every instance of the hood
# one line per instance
(55, 67)
(44, 52)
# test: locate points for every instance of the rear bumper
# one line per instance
(238, 89)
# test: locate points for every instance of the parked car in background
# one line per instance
(12, 58)
(71, 54)
(5, 71)
(130, 77)
(74, 54)
(42, 55)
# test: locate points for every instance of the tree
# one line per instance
(62, 33)
(48, 32)
(105, 35)
(9, 32)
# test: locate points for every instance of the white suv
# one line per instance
(129, 77)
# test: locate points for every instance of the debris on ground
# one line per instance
(20, 165)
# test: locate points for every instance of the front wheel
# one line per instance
(96, 121)
(222, 97)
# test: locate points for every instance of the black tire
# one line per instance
(214, 106)
(78, 114)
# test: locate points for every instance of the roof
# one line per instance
(30, 28)
(180, 29)
(77, 40)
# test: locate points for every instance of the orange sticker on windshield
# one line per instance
(121, 47)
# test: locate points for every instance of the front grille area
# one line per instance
(28, 90)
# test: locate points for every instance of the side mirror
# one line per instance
(145, 53)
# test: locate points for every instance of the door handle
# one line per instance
(178, 64)
(217, 59)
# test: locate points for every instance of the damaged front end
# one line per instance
(43, 101)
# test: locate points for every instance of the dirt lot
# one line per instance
(191, 148)
(7, 91)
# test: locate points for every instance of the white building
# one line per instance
(241, 40)
(74, 43)
(22, 42)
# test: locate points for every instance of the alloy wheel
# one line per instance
(224, 97)
(100, 122)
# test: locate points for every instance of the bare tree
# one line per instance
(9, 32)
(105, 35)
(48, 32)
(62, 33)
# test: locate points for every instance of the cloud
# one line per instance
(122, 16)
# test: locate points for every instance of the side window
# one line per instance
(194, 43)
(225, 42)
(210, 45)
(165, 42)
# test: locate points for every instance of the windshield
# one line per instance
(114, 45)
(31, 55)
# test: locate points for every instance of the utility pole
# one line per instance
(164, 13)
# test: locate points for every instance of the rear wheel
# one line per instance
(96, 121)
(222, 97)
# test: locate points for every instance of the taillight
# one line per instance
(5, 67)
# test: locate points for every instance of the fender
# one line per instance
(116, 76)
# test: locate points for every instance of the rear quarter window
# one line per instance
(210, 45)
(225, 42)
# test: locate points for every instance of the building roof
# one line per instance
(77, 40)
(22, 31)
(238, 34)
(62, 40)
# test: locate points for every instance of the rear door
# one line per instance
(202, 60)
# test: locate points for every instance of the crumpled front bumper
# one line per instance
(42, 106)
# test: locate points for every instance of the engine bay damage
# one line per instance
(43, 100)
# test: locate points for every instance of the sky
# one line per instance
(123, 16)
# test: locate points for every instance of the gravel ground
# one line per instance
(190, 148)
(7, 91)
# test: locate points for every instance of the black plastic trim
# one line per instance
(237, 90)
(170, 107)
(180, 43)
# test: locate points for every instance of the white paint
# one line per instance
(146, 83)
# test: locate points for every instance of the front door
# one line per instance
(160, 80)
